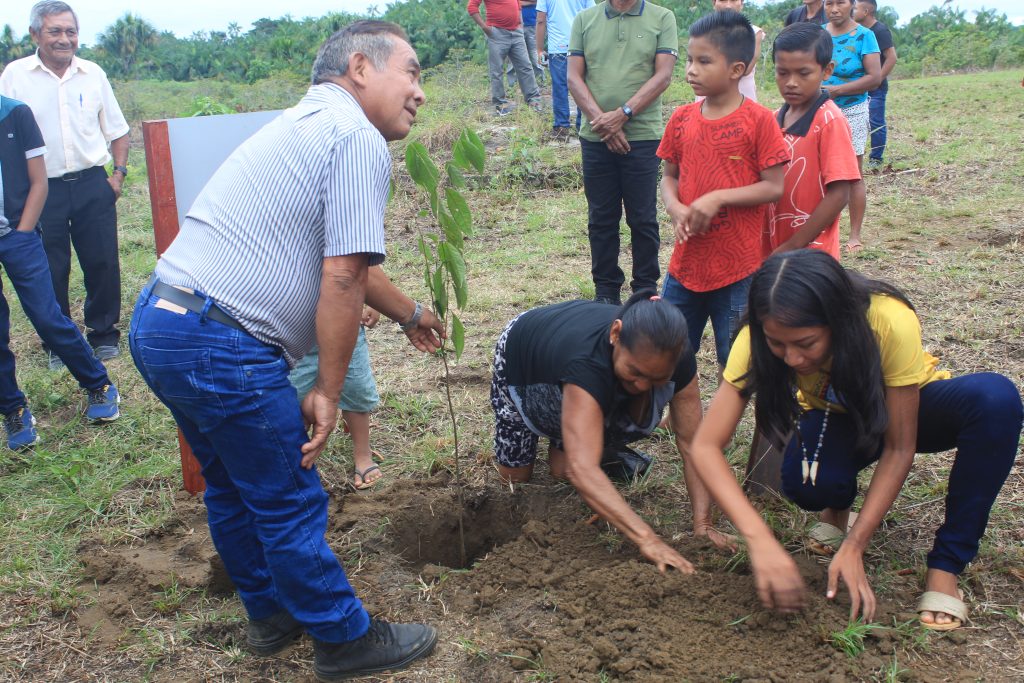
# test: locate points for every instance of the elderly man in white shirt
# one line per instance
(84, 129)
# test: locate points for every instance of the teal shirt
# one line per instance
(848, 52)
(619, 50)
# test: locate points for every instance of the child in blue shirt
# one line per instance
(23, 190)
(858, 70)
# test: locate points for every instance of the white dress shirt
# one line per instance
(77, 113)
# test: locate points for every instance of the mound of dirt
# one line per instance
(539, 595)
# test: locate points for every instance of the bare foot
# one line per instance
(853, 246)
(942, 582)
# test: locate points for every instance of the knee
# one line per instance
(996, 400)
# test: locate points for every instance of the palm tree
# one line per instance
(125, 38)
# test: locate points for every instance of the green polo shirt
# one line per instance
(619, 49)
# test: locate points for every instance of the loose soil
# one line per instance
(541, 595)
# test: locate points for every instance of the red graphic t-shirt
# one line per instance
(822, 155)
(713, 155)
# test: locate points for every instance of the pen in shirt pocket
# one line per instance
(81, 105)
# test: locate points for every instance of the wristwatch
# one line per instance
(122, 169)
(627, 111)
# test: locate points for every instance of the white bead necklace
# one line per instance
(809, 468)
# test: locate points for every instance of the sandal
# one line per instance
(824, 539)
(934, 601)
(363, 484)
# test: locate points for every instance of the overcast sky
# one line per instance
(184, 17)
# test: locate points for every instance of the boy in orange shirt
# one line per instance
(823, 165)
(724, 161)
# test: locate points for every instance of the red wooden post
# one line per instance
(165, 228)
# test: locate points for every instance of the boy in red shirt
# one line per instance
(724, 161)
(823, 164)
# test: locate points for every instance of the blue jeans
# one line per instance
(876, 121)
(23, 257)
(558, 67)
(613, 182)
(979, 415)
(230, 395)
(724, 306)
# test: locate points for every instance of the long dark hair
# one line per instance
(657, 323)
(808, 288)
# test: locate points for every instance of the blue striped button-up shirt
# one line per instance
(309, 185)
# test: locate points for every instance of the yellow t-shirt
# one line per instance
(904, 360)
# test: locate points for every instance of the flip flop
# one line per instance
(824, 539)
(934, 601)
(362, 476)
(852, 248)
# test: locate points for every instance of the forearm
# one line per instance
(604, 499)
(649, 91)
(542, 27)
(864, 84)
(38, 189)
(119, 149)
(581, 94)
(837, 195)
(338, 315)
(890, 63)
(889, 477)
(714, 471)
(670, 192)
(761, 192)
(479, 21)
(385, 297)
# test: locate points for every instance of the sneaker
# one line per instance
(21, 429)
(106, 352)
(384, 647)
(561, 133)
(874, 165)
(271, 635)
(504, 109)
(54, 362)
(103, 404)
(614, 301)
(537, 105)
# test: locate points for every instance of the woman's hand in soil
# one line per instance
(848, 564)
(662, 556)
(776, 577)
(722, 540)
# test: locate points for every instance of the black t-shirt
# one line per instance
(799, 14)
(20, 140)
(551, 346)
(884, 37)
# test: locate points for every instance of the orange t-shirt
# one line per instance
(822, 153)
(721, 154)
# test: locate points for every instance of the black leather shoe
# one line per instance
(384, 647)
(271, 635)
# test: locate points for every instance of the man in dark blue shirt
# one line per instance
(23, 190)
(811, 10)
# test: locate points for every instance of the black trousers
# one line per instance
(613, 182)
(82, 212)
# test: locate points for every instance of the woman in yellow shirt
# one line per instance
(836, 360)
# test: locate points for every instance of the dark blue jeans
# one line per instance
(558, 67)
(724, 306)
(979, 415)
(613, 182)
(230, 395)
(22, 256)
(83, 212)
(876, 121)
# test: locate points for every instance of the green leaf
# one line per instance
(468, 151)
(458, 336)
(451, 229)
(456, 265)
(424, 249)
(455, 176)
(460, 210)
(440, 294)
(421, 169)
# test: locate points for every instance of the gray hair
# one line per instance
(371, 38)
(47, 8)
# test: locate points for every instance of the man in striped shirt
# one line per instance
(274, 254)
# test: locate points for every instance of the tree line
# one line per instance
(940, 40)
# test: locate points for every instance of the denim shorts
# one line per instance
(359, 395)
